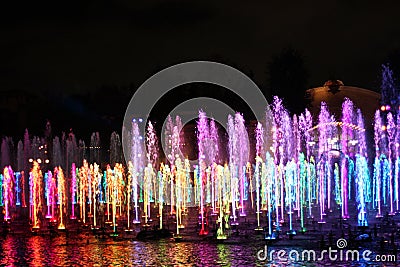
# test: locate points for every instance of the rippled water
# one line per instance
(82, 250)
(89, 251)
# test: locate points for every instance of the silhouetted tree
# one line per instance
(287, 78)
(393, 59)
(389, 87)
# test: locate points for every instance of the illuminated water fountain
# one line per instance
(362, 174)
(35, 193)
(61, 195)
(96, 189)
(324, 134)
(8, 195)
(137, 166)
(180, 193)
(308, 171)
(381, 166)
(50, 194)
(73, 190)
(258, 170)
(83, 188)
(202, 137)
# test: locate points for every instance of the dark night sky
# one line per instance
(75, 47)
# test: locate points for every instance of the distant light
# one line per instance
(39, 161)
(30, 160)
(383, 128)
(353, 142)
(335, 153)
(383, 108)
(140, 120)
(387, 107)
(47, 161)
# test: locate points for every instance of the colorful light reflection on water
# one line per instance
(83, 250)
(88, 251)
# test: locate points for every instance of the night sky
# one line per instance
(67, 57)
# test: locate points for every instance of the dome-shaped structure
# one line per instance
(333, 92)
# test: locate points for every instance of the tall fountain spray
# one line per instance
(391, 136)
(241, 158)
(148, 177)
(305, 123)
(57, 155)
(1, 189)
(18, 180)
(213, 157)
(8, 196)
(96, 188)
(202, 138)
(58, 172)
(303, 189)
(50, 194)
(324, 119)
(180, 196)
(25, 168)
(397, 163)
(223, 202)
(115, 149)
(288, 168)
(279, 114)
(363, 185)
(83, 189)
(73, 190)
(377, 179)
(129, 190)
(152, 163)
(113, 191)
(163, 177)
(290, 189)
(152, 145)
(137, 163)
(268, 186)
(258, 169)
(71, 151)
(94, 148)
(346, 139)
(300, 172)
(173, 153)
(35, 193)
(20, 175)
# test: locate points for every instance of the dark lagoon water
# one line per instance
(87, 250)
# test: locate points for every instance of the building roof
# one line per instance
(333, 94)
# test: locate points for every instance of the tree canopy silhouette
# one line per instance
(288, 78)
